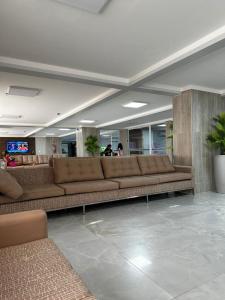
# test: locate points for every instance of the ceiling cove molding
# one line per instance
(12, 124)
(102, 97)
(149, 124)
(31, 66)
(202, 89)
(136, 116)
(171, 90)
(162, 89)
(199, 45)
(33, 131)
(68, 134)
(108, 94)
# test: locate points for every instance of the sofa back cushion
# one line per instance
(30, 159)
(153, 164)
(77, 169)
(18, 159)
(43, 159)
(33, 175)
(120, 166)
(9, 185)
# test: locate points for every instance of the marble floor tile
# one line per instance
(212, 290)
(173, 248)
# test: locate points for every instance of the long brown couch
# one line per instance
(35, 160)
(73, 182)
(32, 267)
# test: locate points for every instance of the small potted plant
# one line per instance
(92, 145)
(216, 139)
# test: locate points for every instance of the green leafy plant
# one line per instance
(216, 138)
(92, 145)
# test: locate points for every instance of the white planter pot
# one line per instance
(219, 170)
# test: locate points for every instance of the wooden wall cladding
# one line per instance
(182, 127)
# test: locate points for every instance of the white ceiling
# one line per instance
(56, 96)
(129, 36)
(88, 65)
(113, 112)
(206, 71)
(15, 131)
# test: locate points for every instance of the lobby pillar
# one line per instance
(192, 118)
(124, 139)
(169, 139)
(81, 136)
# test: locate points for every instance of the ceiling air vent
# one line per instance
(14, 90)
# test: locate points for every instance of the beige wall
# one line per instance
(46, 145)
(124, 139)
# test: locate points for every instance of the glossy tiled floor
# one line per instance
(172, 249)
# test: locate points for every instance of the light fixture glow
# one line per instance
(87, 121)
(140, 261)
(50, 133)
(64, 129)
(95, 222)
(162, 125)
(134, 104)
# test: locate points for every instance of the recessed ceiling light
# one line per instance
(50, 133)
(106, 135)
(93, 6)
(162, 125)
(14, 90)
(87, 121)
(135, 104)
(64, 129)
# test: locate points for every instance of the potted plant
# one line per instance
(92, 145)
(216, 139)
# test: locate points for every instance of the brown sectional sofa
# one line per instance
(73, 182)
(32, 267)
(37, 160)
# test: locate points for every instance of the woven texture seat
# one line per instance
(37, 270)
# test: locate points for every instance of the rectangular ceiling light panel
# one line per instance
(14, 90)
(93, 6)
(134, 104)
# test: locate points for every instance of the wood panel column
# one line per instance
(192, 115)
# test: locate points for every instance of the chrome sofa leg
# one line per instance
(148, 198)
(84, 210)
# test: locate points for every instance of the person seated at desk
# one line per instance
(108, 150)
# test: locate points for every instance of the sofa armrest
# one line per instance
(22, 227)
(185, 169)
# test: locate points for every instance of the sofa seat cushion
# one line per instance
(89, 186)
(71, 169)
(154, 164)
(135, 181)
(38, 270)
(9, 185)
(120, 166)
(41, 191)
(171, 177)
